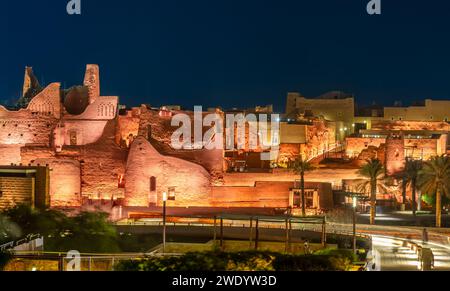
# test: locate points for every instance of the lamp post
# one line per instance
(355, 205)
(164, 221)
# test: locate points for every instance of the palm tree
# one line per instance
(300, 167)
(404, 179)
(411, 174)
(434, 178)
(374, 172)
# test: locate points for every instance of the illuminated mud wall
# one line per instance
(289, 152)
(320, 138)
(308, 140)
(10, 154)
(269, 194)
(410, 125)
(15, 191)
(47, 102)
(79, 149)
(102, 163)
(128, 127)
(95, 168)
(190, 182)
(362, 148)
(356, 145)
(86, 128)
(33, 125)
(370, 153)
(92, 81)
(156, 125)
(330, 108)
(395, 155)
(420, 148)
(65, 181)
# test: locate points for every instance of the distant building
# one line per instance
(335, 106)
(432, 110)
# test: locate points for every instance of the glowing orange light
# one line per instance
(121, 182)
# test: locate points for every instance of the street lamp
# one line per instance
(355, 205)
(164, 221)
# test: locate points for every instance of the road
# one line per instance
(392, 254)
(389, 243)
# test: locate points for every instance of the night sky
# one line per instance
(231, 53)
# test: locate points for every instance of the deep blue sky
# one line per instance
(231, 52)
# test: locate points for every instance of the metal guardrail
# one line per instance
(13, 244)
(330, 228)
(262, 224)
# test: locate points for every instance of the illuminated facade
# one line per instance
(431, 110)
(99, 154)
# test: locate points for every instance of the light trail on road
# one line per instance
(393, 254)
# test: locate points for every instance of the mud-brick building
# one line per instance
(74, 148)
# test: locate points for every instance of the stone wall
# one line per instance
(48, 102)
(127, 128)
(333, 176)
(363, 148)
(372, 152)
(320, 138)
(330, 109)
(10, 154)
(399, 125)
(82, 132)
(314, 140)
(80, 149)
(103, 108)
(356, 145)
(421, 148)
(65, 181)
(288, 152)
(268, 194)
(154, 125)
(262, 194)
(293, 133)
(191, 182)
(15, 191)
(23, 127)
(22, 131)
(102, 163)
(395, 155)
(92, 82)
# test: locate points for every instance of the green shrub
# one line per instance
(86, 232)
(431, 199)
(348, 254)
(241, 261)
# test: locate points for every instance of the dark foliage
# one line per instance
(242, 261)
